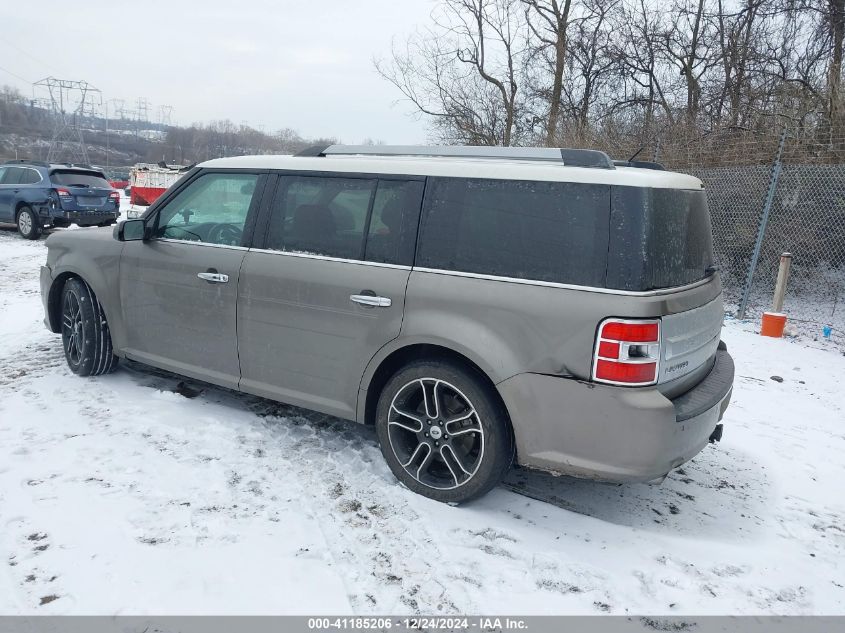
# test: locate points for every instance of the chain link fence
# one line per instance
(806, 218)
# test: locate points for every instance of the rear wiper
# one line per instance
(80, 184)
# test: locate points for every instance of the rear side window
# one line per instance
(545, 231)
(348, 218)
(321, 216)
(392, 234)
(659, 238)
(29, 177)
(72, 178)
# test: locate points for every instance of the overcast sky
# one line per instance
(302, 64)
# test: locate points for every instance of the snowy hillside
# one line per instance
(122, 495)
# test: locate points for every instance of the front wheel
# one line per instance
(443, 432)
(85, 334)
(29, 226)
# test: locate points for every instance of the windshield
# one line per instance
(74, 178)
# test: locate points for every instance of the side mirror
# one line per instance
(130, 231)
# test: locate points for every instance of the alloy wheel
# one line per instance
(72, 329)
(25, 223)
(436, 434)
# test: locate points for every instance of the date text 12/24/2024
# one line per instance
(417, 623)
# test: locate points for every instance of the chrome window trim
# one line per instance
(453, 273)
(341, 260)
(553, 284)
(198, 243)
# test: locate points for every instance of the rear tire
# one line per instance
(443, 432)
(85, 334)
(29, 225)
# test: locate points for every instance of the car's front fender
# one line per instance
(94, 256)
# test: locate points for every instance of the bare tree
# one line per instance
(738, 34)
(590, 64)
(466, 71)
(835, 18)
(548, 21)
(687, 45)
(623, 73)
(642, 79)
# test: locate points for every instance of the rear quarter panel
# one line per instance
(507, 327)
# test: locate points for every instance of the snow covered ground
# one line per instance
(119, 495)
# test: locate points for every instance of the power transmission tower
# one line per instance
(164, 112)
(69, 102)
(118, 108)
(142, 107)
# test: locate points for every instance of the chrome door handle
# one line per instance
(215, 278)
(369, 300)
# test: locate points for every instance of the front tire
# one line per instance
(443, 431)
(29, 226)
(85, 334)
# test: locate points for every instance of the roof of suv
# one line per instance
(464, 167)
(50, 166)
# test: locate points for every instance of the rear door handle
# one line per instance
(372, 301)
(215, 278)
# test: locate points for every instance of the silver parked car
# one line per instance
(480, 306)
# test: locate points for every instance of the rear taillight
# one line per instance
(627, 352)
(64, 193)
(114, 195)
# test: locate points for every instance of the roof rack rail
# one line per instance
(641, 164)
(78, 165)
(570, 157)
(314, 150)
(25, 161)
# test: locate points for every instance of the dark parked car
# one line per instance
(36, 195)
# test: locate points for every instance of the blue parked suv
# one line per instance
(36, 195)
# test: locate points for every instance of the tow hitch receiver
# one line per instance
(716, 435)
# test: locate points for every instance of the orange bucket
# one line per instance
(773, 324)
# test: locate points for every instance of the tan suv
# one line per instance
(480, 306)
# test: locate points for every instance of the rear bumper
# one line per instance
(613, 433)
(81, 218)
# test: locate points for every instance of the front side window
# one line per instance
(545, 231)
(212, 209)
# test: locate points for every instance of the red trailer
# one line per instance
(149, 181)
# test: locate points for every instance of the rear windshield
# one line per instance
(659, 238)
(72, 178)
(546, 231)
